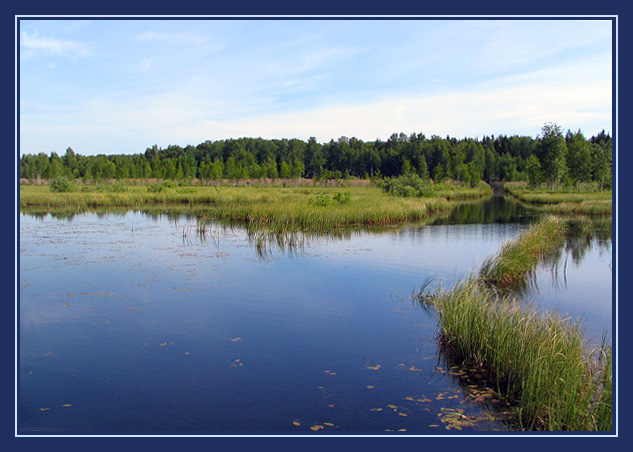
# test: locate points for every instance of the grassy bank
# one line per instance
(563, 202)
(537, 360)
(300, 208)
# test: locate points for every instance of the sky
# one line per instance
(120, 86)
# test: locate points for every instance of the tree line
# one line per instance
(552, 157)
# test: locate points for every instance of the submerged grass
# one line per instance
(305, 208)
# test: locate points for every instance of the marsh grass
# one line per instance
(538, 360)
(561, 202)
(514, 265)
(305, 208)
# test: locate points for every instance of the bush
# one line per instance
(117, 187)
(61, 184)
(320, 199)
(408, 185)
(155, 188)
(343, 197)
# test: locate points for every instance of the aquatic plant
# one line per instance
(536, 359)
(513, 265)
(586, 203)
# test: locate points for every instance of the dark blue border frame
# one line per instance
(255, 11)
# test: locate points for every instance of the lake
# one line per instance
(132, 322)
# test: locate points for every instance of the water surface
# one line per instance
(134, 323)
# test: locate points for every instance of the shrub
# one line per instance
(155, 188)
(118, 187)
(408, 185)
(320, 199)
(343, 197)
(61, 184)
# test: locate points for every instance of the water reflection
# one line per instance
(492, 210)
(155, 314)
(198, 226)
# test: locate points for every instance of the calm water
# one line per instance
(133, 323)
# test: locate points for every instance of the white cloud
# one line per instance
(34, 44)
(298, 87)
(475, 113)
(129, 126)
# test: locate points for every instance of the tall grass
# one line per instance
(307, 208)
(536, 359)
(514, 264)
(557, 202)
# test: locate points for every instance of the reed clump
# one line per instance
(514, 264)
(538, 360)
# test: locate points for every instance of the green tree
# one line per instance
(216, 169)
(284, 170)
(533, 170)
(551, 153)
(71, 163)
(407, 168)
(40, 166)
(55, 167)
(601, 164)
(168, 169)
(578, 158)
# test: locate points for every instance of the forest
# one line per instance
(553, 158)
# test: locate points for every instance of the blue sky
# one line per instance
(120, 86)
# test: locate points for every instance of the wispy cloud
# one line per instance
(174, 38)
(307, 78)
(521, 110)
(32, 44)
(175, 118)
